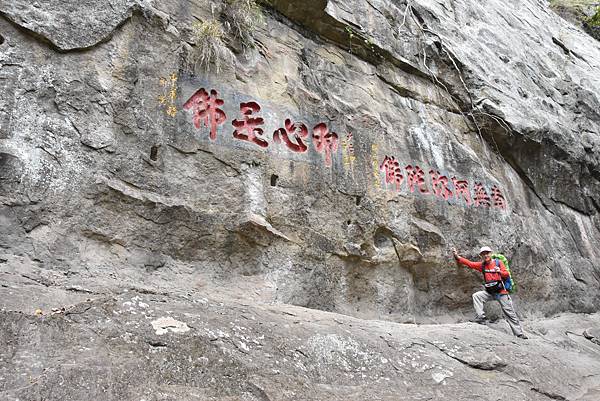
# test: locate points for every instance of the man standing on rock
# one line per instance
(494, 274)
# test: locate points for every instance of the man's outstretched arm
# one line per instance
(466, 262)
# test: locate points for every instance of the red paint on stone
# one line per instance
(439, 184)
(393, 173)
(461, 188)
(415, 177)
(498, 198)
(325, 141)
(481, 196)
(206, 109)
(297, 131)
(247, 129)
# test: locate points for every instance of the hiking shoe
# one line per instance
(479, 320)
(522, 336)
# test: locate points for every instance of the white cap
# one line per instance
(485, 249)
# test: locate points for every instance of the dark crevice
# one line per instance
(40, 280)
(572, 208)
(220, 160)
(579, 280)
(594, 203)
(52, 155)
(258, 392)
(81, 290)
(552, 396)
(561, 45)
(407, 93)
(301, 353)
(148, 291)
(154, 153)
(274, 178)
(78, 312)
(156, 344)
(479, 365)
(183, 151)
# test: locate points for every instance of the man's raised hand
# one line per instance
(455, 253)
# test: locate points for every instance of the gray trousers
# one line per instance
(481, 297)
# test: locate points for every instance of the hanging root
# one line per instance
(474, 110)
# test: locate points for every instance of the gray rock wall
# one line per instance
(104, 174)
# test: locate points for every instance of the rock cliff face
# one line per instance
(332, 165)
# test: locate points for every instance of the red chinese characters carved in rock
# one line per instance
(325, 141)
(439, 184)
(461, 188)
(392, 171)
(498, 198)
(206, 109)
(481, 196)
(415, 177)
(247, 129)
(297, 132)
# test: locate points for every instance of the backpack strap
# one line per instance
(501, 279)
(483, 270)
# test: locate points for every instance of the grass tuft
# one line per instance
(210, 49)
(241, 19)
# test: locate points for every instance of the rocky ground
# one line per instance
(122, 339)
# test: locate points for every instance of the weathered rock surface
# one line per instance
(109, 183)
(158, 344)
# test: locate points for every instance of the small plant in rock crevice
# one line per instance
(351, 34)
(210, 49)
(371, 45)
(241, 20)
(594, 20)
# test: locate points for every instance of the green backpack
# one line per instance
(509, 283)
